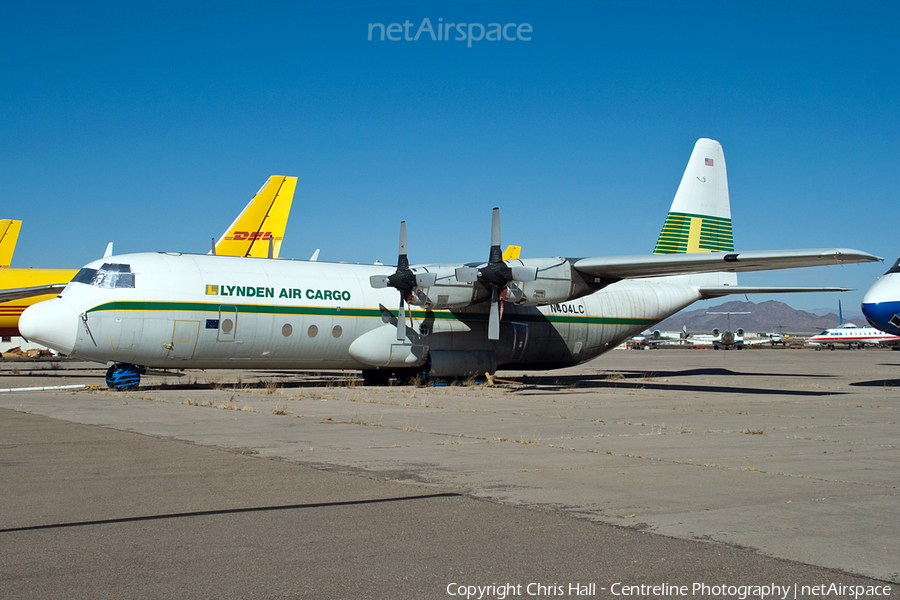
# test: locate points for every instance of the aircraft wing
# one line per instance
(716, 291)
(29, 292)
(656, 265)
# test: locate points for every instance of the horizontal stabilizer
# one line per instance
(650, 265)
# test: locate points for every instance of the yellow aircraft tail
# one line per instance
(9, 235)
(260, 226)
(512, 252)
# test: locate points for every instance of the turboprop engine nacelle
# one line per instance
(546, 281)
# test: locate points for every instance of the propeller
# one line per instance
(497, 275)
(404, 280)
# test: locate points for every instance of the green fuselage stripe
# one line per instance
(369, 313)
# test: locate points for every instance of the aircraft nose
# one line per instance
(52, 323)
(882, 289)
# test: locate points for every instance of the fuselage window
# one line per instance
(287, 330)
(337, 331)
(313, 331)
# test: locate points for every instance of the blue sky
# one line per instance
(152, 126)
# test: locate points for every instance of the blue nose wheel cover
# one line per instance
(123, 377)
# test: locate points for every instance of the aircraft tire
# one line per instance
(409, 377)
(123, 377)
(376, 377)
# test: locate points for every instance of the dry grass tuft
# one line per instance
(280, 410)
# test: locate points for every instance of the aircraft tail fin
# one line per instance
(9, 235)
(512, 252)
(700, 217)
(259, 229)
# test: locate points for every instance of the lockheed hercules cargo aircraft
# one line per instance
(169, 310)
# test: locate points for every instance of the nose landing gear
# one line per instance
(122, 376)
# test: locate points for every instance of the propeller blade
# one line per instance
(524, 273)
(466, 274)
(402, 261)
(494, 316)
(496, 252)
(425, 279)
(379, 281)
(401, 322)
(386, 315)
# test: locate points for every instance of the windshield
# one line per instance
(895, 268)
(109, 276)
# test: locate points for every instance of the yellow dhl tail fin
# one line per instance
(9, 235)
(259, 229)
(512, 252)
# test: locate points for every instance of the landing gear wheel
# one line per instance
(376, 377)
(123, 377)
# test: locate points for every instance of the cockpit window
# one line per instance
(109, 276)
(85, 276)
(895, 268)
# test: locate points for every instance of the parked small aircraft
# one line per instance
(881, 304)
(655, 338)
(165, 310)
(257, 231)
(850, 334)
(728, 338)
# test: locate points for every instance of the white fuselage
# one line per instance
(881, 304)
(202, 311)
(853, 335)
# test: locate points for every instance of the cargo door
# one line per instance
(184, 339)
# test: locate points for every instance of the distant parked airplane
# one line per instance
(849, 334)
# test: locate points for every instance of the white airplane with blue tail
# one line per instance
(850, 334)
